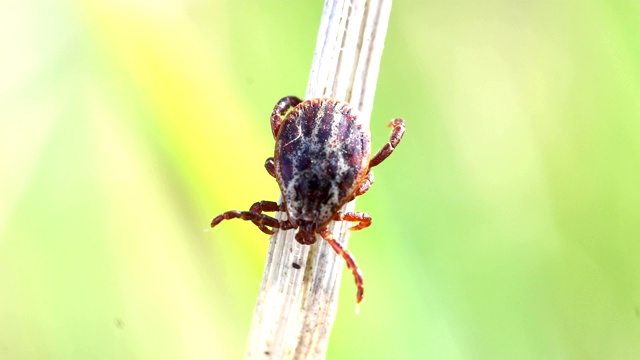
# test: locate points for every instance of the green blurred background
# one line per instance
(506, 225)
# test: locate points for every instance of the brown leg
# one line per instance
(261, 220)
(366, 184)
(394, 140)
(261, 206)
(280, 110)
(270, 166)
(364, 187)
(364, 219)
(348, 258)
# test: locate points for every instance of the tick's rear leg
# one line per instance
(270, 166)
(363, 219)
(348, 258)
(280, 110)
(394, 140)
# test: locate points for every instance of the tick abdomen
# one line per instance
(322, 155)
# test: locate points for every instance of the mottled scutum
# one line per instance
(321, 156)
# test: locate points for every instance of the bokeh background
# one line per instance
(506, 225)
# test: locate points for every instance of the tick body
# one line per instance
(322, 160)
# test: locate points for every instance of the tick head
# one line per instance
(306, 232)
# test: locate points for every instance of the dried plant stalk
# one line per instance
(296, 308)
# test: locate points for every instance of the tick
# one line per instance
(322, 160)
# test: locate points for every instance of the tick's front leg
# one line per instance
(257, 218)
(348, 258)
(260, 220)
(363, 219)
(261, 206)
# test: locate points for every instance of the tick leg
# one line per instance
(270, 166)
(257, 218)
(261, 220)
(366, 184)
(261, 206)
(364, 187)
(348, 258)
(280, 110)
(394, 140)
(363, 219)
